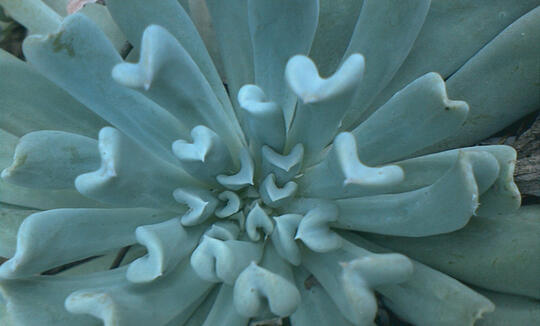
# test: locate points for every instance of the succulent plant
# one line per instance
(285, 194)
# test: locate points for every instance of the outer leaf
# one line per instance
(50, 107)
(134, 16)
(500, 83)
(56, 237)
(51, 159)
(498, 253)
(384, 35)
(79, 58)
(441, 299)
(280, 29)
(446, 42)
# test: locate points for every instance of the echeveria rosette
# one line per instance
(290, 197)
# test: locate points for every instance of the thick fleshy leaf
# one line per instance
(510, 310)
(55, 237)
(445, 41)
(498, 253)
(278, 30)
(445, 206)
(499, 197)
(341, 174)
(230, 21)
(322, 101)
(257, 287)
(414, 118)
(349, 274)
(134, 304)
(35, 15)
(169, 76)
(79, 58)
(101, 16)
(263, 120)
(44, 198)
(11, 218)
(131, 176)
(205, 157)
(135, 15)
(337, 19)
(384, 35)
(39, 301)
(201, 312)
(283, 237)
(441, 299)
(316, 307)
(500, 83)
(222, 261)
(223, 311)
(167, 243)
(51, 160)
(8, 142)
(48, 107)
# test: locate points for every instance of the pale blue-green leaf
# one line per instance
(104, 262)
(201, 203)
(223, 311)
(185, 316)
(257, 287)
(500, 83)
(284, 167)
(275, 196)
(39, 301)
(198, 317)
(341, 174)
(126, 303)
(242, 178)
(44, 198)
(8, 142)
(500, 197)
(337, 19)
(167, 243)
(445, 206)
(168, 75)
(441, 299)
(133, 16)
(30, 102)
(273, 262)
(79, 58)
(101, 16)
(316, 307)
(283, 237)
(384, 35)
(351, 290)
(446, 42)
(131, 176)
(56, 237)
(314, 229)
(215, 260)
(510, 310)
(11, 218)
(51, 160)
(498, 253)
(322, 102)
(35, 15)
(263, 120)
(416, 117)
(230, 21)
(279, 30)
(258, 220)
(205, 157)
(223, 230)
